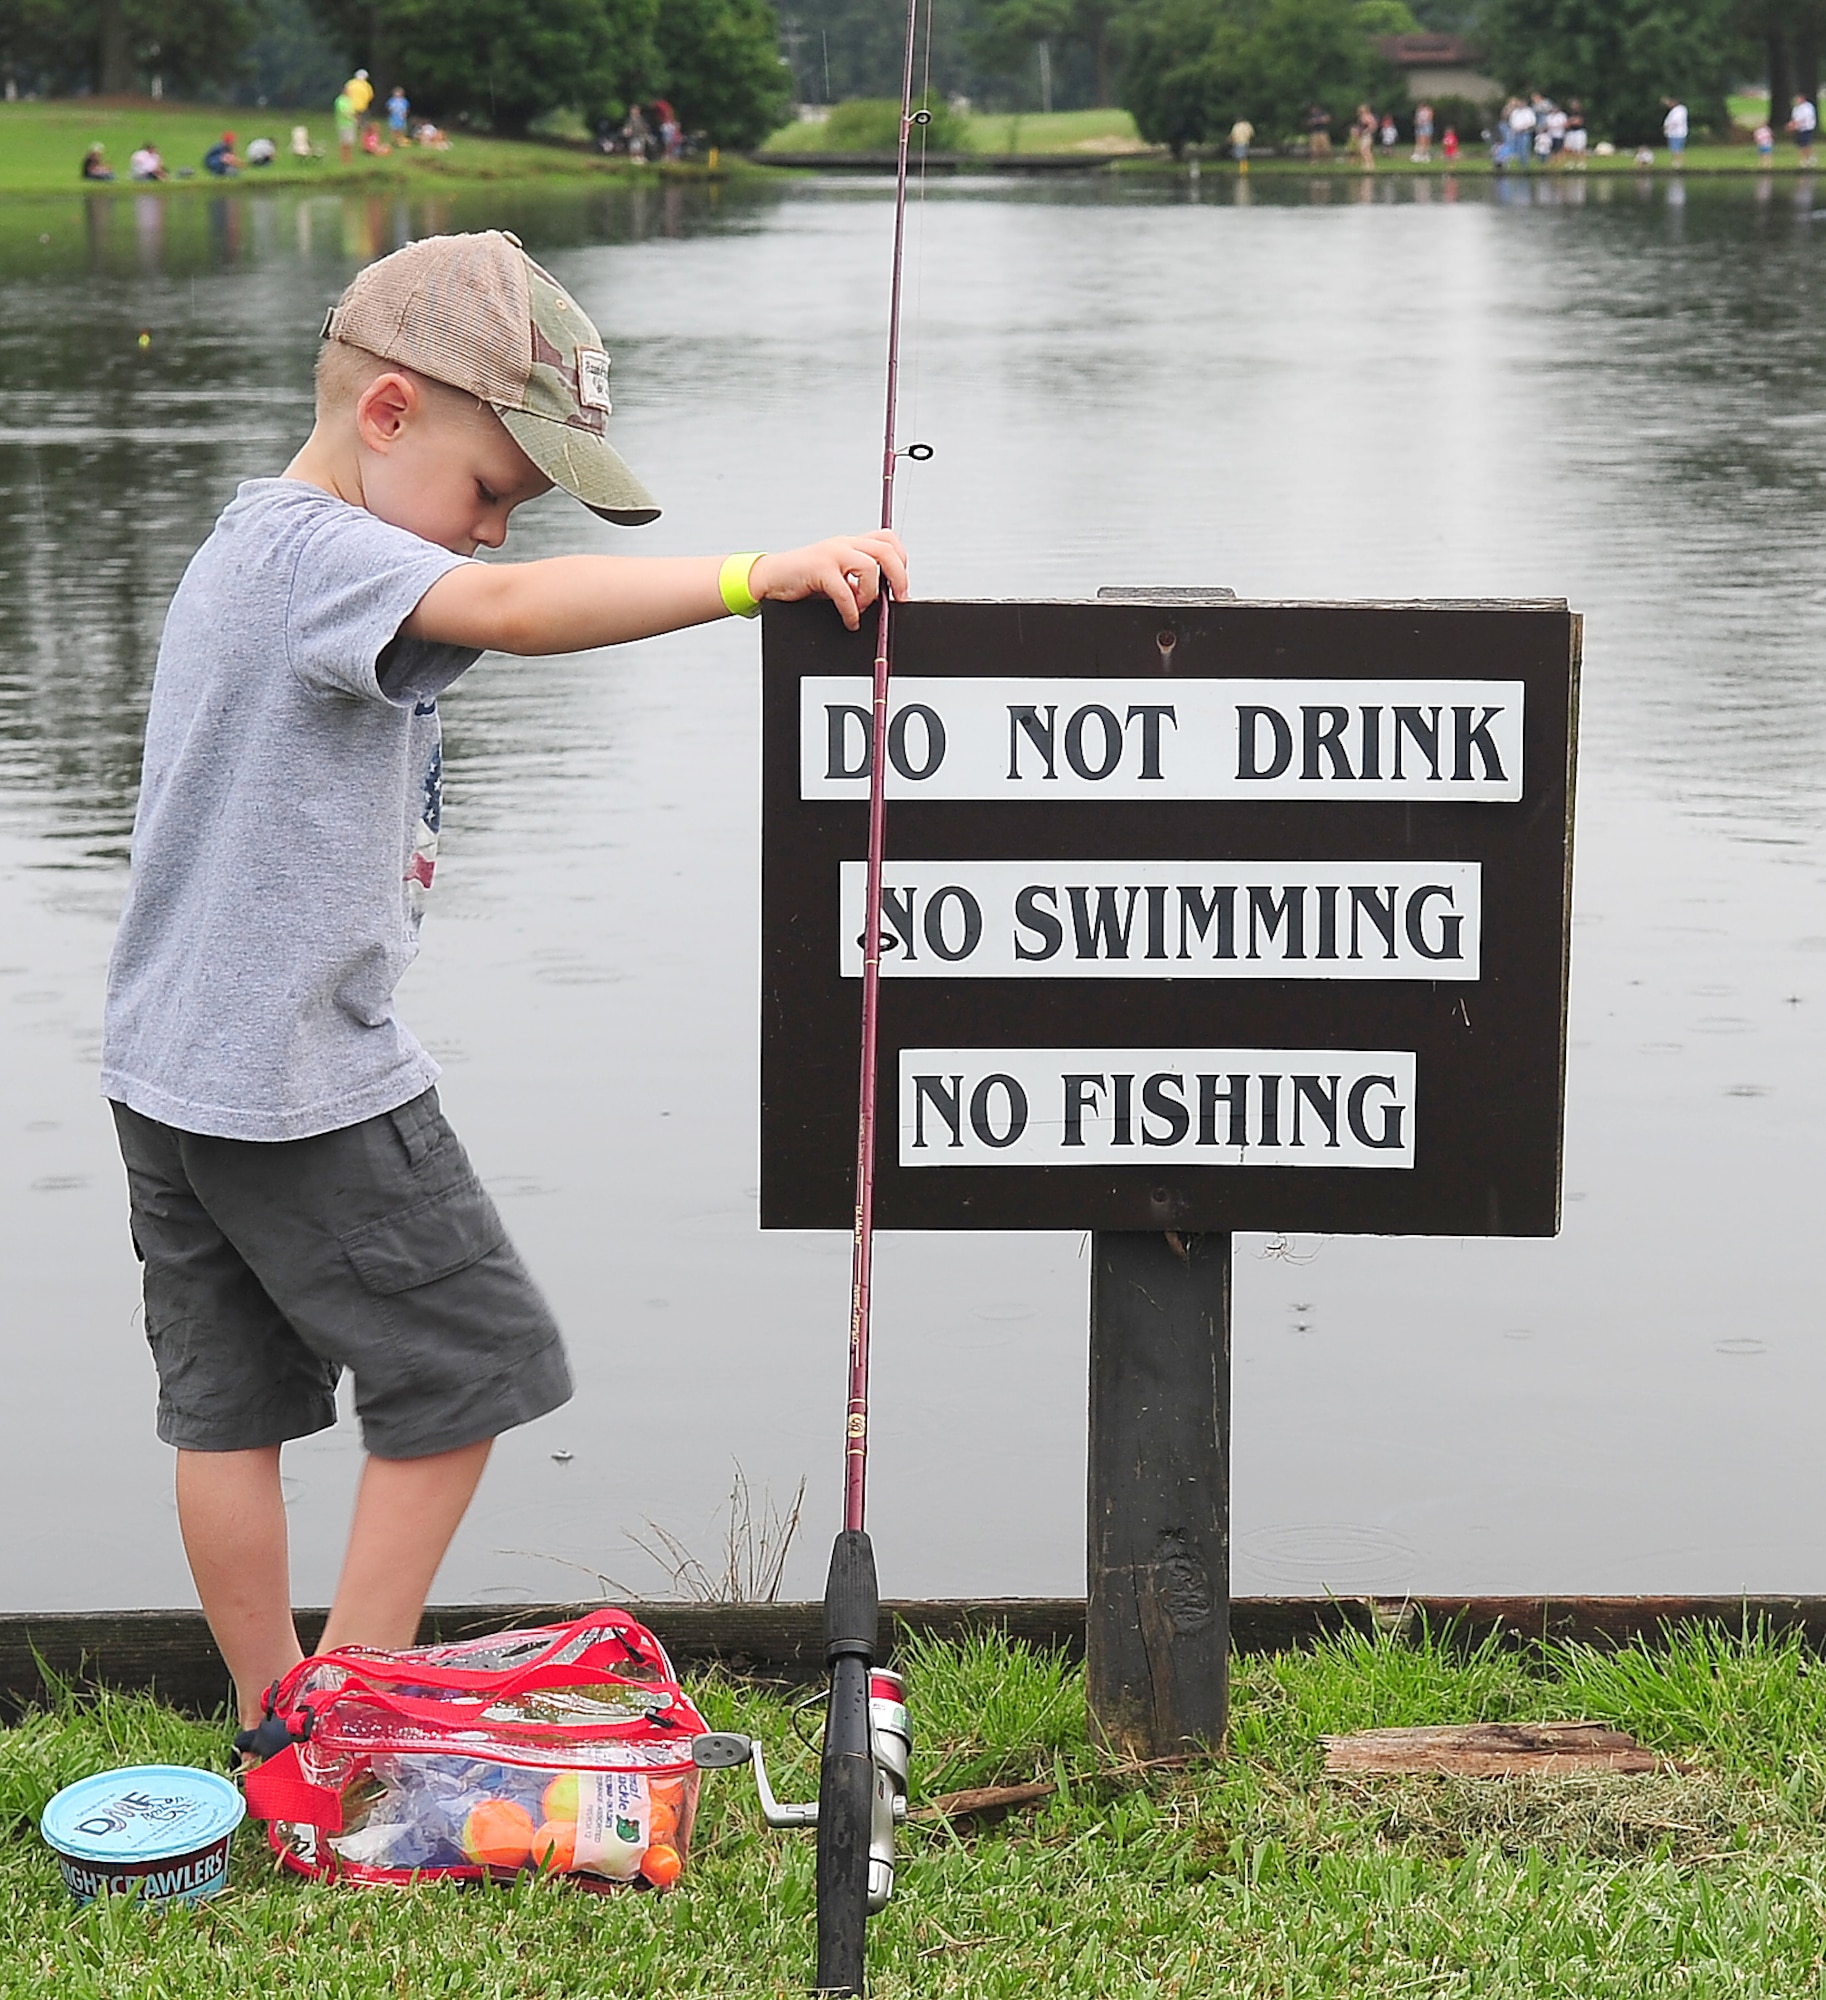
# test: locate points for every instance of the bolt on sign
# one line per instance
(1196, 916)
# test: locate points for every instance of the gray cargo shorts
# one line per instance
(270, 1268)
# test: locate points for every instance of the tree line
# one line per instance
(1187, 69)
(498, 65)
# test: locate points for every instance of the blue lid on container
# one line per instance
(147, 1810)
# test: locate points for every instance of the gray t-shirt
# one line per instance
(287, 827)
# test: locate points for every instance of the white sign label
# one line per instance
(1106, 1107)
(1169, 919)
(959, 737)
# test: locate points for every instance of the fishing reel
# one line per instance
(890, 1757)
(863, 1767)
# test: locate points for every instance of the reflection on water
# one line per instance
(114, 455)
(1606, 388)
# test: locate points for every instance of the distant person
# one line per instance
(1578, 139)
(261, 153)
(95, 165)
(1241, 133)
(635, 133)
(222, 159)
(1522, 121)
(666, 121)
(1422, 154)
(345, 125)
(1363, 138)
(1674, 129)
(1390, 137)
(1318, 132)
(427, 134)
(1764, 136)
(1559, 123)
(360, 93)
(1805, 125)
(301, 143)
(147, 165)
(372, 143)
(1449, 145)
(399, 107)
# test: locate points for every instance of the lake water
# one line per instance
(1615, 394)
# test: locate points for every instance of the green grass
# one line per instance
(41, 149)
(1051, 132)
(1252, 1877)
(1474, 161)
(1092, 132)
(1106, 134)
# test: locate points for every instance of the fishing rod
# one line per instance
(863, 1768)
(862, 1775)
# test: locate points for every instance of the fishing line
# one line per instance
(919, 234)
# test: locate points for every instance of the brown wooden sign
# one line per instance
(1200, 916)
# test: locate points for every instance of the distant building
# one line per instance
(1440, 66)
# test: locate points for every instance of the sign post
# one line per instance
(1198, 917)
(1157, 1624)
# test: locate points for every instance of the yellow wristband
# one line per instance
(732, 582)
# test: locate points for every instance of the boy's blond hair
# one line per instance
(344, 371)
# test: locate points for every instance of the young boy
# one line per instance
(298, 1200)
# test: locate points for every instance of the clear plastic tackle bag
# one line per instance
(565, 1750)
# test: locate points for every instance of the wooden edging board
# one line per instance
(172, 1652)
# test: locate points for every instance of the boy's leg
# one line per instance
(235, 1381)
(406, 1511)
(273, 1266)
(387, 1258)
(232, 1515)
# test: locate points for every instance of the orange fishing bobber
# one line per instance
(662, 1865)
(555, 1846)
(497, 1833)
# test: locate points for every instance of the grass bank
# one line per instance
(42, 145)
(1251, 1877)
(1111, 135)
(1702, 162)
(1096, 134)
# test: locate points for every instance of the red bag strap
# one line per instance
(278, 1789)
(623, 1639)
(372, 1678)
(668, 1701)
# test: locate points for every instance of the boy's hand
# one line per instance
(847, 569)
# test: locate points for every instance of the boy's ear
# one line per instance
(384, 409)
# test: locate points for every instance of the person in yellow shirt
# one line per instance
(360, 93)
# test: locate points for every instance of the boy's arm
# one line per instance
(568, 604)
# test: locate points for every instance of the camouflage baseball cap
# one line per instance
(478, 313)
